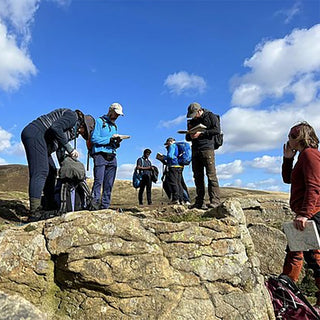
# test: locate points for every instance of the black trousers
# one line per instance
(145, 183)
(166, 188)
(42, 169)
(173, 178)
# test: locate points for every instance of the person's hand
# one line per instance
(300, 222)
(74, 154)
(288, 152)
(195, 135)
(116, 136)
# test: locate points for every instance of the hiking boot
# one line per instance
(174, 202)
(213, 205)
(35, 204)
(201, 206)
(42, 215)
(94, 206)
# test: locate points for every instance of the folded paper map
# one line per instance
(305, 240)
(159, 156)
(121, 136)
(198, 128)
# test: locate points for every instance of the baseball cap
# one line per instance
(117, 107)
(193, 108)
(169, 140)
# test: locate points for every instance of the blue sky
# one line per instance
(256, 63)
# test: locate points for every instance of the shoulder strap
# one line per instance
(143, 162)
(105, 123)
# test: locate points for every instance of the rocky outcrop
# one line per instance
(265, 217)
(270, 244)
(17, 308)
(114, 265)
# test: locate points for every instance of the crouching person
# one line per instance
(47, 134)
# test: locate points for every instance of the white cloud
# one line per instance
(125, 171)
(237, 183)
(248, 93)
(2, 161)
(172, 123)
(19, 14)
(268, 184)
(228, 170)
(62, 3)
(277, 66)
(183, 82)
(16, 17)
(15, 65)
(16, 149)
(257, 130)
(268, 163)
(5, 138)
(305, 90)
(290, 13)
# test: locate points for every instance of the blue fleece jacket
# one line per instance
(101, 136)
(172, 156)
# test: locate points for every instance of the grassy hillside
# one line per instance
(14, 185)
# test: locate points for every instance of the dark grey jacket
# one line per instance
(61, 127)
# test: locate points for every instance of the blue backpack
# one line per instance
(184, 153)
(136, 179)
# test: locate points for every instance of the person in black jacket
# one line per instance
(145, 167)
(203, 155)
(50, 133)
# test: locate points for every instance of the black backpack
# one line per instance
(218, 138)
(72, 192)
(74, 196)
(154, 174)
(288, 301)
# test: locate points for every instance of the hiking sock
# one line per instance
(35, 204)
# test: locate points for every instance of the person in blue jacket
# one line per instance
(47, 134)
(174, 173)
(105, 141)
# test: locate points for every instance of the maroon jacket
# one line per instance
(305, 182)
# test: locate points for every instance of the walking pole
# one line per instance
(88, 160)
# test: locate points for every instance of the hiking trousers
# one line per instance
(293, 262)
(42, 169)
(205, 160)
(166, 188)
(104, 171)
(173, 178)
(145, 183)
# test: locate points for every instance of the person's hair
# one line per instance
(80, 118)
(306, 135)
(146, 151)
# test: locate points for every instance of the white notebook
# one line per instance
(305, 240)
(198, 128)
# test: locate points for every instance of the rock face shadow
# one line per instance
(12, 210)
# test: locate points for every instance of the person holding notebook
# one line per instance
(304, 177)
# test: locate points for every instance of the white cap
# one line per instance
(117, 107)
